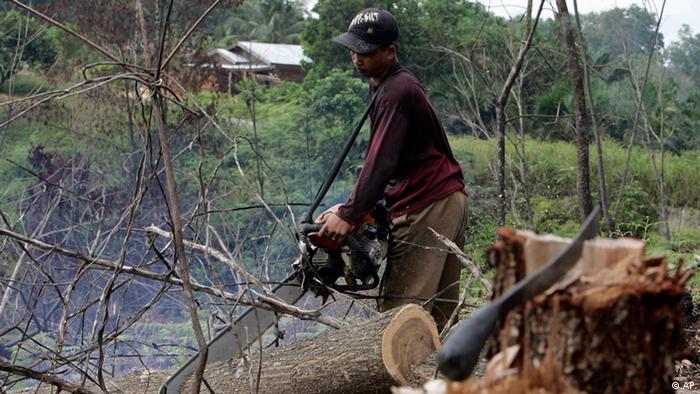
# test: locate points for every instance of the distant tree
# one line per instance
(582, 121)
(620, 30)
(277, 21)
(684, 54)
(24, 42)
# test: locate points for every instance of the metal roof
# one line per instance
(274, 53)
(230, 57)
(248, 67)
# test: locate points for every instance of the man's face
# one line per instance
(376, 63)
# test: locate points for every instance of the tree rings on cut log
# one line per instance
(369, 357)
(408, 340)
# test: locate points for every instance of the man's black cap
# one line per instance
(370, 29)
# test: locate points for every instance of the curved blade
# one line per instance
(235, 338)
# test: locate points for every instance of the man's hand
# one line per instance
(333, 227)
(322, 218)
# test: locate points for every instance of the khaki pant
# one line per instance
(415, 274)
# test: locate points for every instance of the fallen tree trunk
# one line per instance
(370, 357)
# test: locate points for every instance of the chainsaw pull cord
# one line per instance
(341, 158)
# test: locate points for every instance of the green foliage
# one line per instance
(680, 174)
(552, 169)
(686, 136)
(72, 55)
(550, 102)
(556, 215)
(555, 165)
(300, 129)
(682, 248)
(637, 214)
(684, 54)
(482, 225)
(686, 241)
(24, 43)
(25, 84)
(334, 101)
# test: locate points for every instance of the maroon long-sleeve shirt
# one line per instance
(408, 160)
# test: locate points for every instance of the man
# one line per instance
(409, 163)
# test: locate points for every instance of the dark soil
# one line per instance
(687, 369)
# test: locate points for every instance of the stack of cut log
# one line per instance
(367, 358)
(613, 324)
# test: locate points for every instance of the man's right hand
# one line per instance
(335, 228)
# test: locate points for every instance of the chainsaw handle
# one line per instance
(350, 241)
(308, 228)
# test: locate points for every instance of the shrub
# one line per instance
(637, 212)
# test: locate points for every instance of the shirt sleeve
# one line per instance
(388, 135)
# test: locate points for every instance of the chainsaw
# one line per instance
(348, 266)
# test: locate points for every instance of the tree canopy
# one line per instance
(276, 21)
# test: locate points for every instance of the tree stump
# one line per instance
(612, 325)
(370, 357)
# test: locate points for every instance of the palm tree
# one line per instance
(276, 21)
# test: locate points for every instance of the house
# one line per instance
(266, 62)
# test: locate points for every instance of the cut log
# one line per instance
(612, 325)
(370, 357)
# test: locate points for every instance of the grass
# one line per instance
(555, 203)
(24, 84)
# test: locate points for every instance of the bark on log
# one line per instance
(612, 325)
(370, 357)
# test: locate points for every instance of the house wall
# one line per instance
(218, 80)
(290, 73)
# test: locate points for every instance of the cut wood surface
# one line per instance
(370, 357)
(538, 249)
(610, 257)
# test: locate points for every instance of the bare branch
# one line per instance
(208, 250)
(637, 113)
(62, 385)
(501, 103)
(475, 271)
